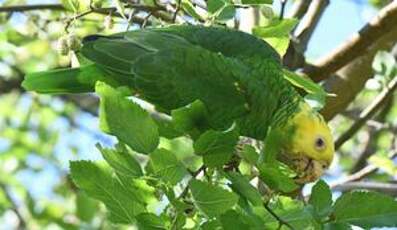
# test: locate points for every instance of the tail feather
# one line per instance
(70, 80)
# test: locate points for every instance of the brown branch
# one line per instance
(374, 135)
(369, 112)
(279, 219)
(21, 8)
(388, 188)
(356, 46)
(295, 55)
(359, 175)
(299, 9)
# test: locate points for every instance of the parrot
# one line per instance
(237, 76)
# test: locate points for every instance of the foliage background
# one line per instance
(40, 134)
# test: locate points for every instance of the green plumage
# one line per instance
(237, 76)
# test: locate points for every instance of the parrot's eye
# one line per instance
(319, 143)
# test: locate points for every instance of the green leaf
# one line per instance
(121, 161)
(216, 147)
(273, 175)
(149, 221)
(226, 13)
(337, 226)
(293, 212)
(321, 199)
(316, 94)
(231, 220)
(210, 199)
(126, 120)
(86, 207)
(241, 185)
(72, 5)
(249, 154)
(277, 28)
(215, 5)
(193, 117)
(256, 2)
(165, 165)
(366, 209)
(99, 184)
(277, 33)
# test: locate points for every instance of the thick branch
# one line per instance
(387, 188)
(356, 46)
(295, 55)
(369, 112)
(21, 8)
(299, 9)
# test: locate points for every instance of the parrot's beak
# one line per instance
(306, 168)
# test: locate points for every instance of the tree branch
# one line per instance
(356, 46)
(387, 188)
(295, 55)
(299, 9)
(21, 8)
(369, 112)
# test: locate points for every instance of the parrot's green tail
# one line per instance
(69, 80)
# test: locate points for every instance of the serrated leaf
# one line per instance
(366, 209)
(99, 184)
(321, 199)
(231, 220)
(226, 13)
(126, 120)
(121, 161)
(241, 185)
(149, 221)
(165, 165)
(275, 178)
(277, 33)
(210, 199)
(216, 147)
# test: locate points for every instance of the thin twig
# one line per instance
(194, 175)
(21, 8)
(369, 112)
(299, 9)
(282, 9)
(178, 7)
(359, 175)
(356, 46)
(15, 208)
(278, 218)
(301, 36)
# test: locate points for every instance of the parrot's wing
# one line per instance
(172, 78)
(229, 42)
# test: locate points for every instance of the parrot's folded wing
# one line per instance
(68, 80)
(173, 78)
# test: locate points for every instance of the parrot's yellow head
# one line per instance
(310, 148)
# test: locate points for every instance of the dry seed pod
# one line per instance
(62, 46)
(108, 22)
(73, 42)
